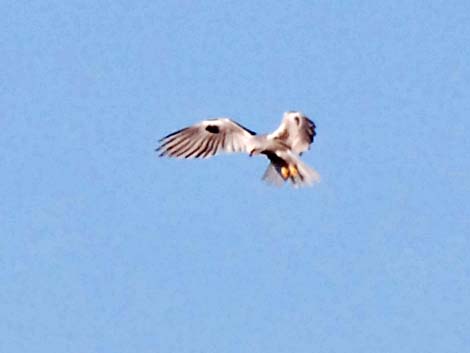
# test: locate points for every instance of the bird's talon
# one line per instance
(285, 172)
(293, 171)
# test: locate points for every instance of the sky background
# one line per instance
(106, 248)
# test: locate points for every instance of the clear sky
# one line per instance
(106, 248)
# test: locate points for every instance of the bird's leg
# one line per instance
(285, 172)
(293, 171)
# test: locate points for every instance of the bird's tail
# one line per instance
(302, 175)
(307, 176)
(273, 175)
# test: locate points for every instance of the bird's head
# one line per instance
(294, 116)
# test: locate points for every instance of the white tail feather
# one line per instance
(273, 176)
(307, 175)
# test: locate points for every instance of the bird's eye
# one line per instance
(297, 120)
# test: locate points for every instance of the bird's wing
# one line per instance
(206, 139)
(296, 131)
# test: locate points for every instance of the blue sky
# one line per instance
(106, 248)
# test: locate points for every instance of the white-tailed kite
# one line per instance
(283, 147)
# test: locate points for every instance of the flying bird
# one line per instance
(283, 147)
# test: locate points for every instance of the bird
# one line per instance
(283, 147)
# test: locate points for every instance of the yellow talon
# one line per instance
(285, 172)
(293, 171)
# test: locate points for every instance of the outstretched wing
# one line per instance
(206, 139)
(296, 131)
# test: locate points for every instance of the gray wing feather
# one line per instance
(207, 139)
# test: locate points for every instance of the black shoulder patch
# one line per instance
(213, 129)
